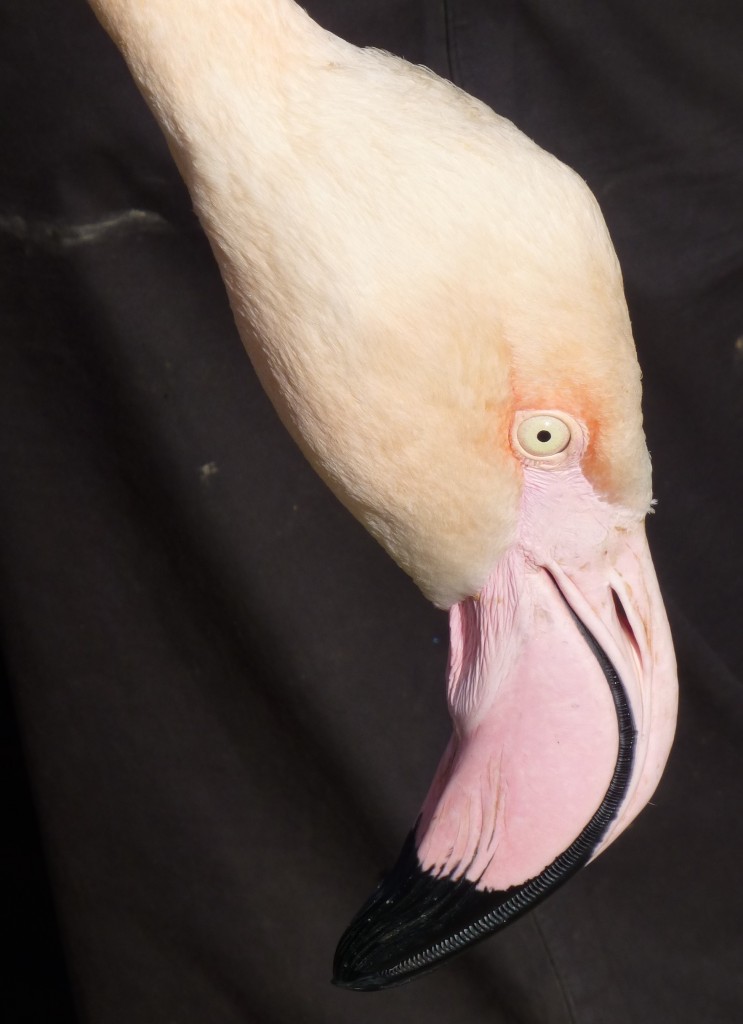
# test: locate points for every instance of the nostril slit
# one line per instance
(625, 624)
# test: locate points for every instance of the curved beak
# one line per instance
(562, 689)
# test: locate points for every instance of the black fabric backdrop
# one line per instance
(228, 700)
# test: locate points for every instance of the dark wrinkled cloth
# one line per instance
(227, 702)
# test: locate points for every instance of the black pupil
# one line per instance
(544, 436)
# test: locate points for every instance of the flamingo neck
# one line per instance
(174, 37)
(234, 85)
(203, 65)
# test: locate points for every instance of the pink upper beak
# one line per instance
(562, 690)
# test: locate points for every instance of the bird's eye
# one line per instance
(542, 435)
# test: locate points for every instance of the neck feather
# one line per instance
(192, 58)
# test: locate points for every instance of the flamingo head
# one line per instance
(502, 462)
(437, 313)
(435, 308)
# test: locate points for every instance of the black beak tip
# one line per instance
(367, 964)
(359, 964)
(371, 949)
(406, 927)
(345, 976)
(347, 971)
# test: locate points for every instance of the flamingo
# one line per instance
(436, 311)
